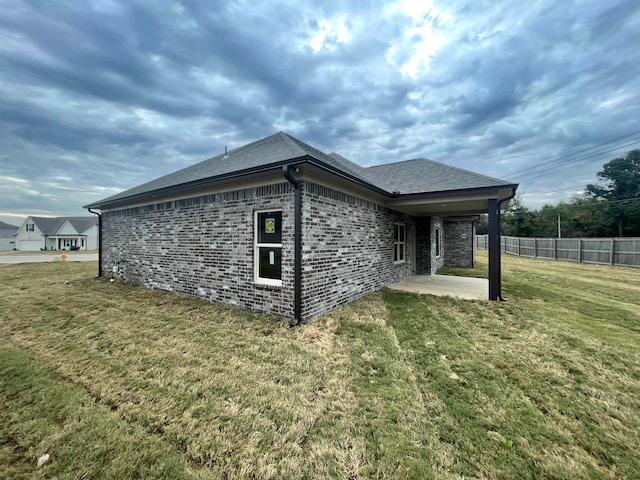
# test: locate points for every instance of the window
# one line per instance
(268, 247)
(399, 243)
(30, 227)
(438, 241)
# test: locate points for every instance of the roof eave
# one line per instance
(241, 173)
(458, 191)
(181, 186)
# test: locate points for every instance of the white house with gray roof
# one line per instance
(281, 227)
(7, 236)
(57, 233)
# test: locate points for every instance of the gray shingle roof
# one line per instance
(51, 225)
(270, 150)
(426, 176)
(412, 176)
(7, 230)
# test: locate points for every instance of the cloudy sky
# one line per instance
(99, 96)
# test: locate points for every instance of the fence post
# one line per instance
(518, 246)
(579, 250)
(555, 248)
(535, 248)
(613, 251)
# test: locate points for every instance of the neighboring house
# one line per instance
(7, 236)
(281, 227)
(58, 233)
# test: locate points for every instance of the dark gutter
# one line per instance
(99, 241)
(297, 247)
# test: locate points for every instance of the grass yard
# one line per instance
(115, 381)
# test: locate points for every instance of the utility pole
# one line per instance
(559, 231)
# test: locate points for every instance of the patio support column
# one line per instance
(495, 274)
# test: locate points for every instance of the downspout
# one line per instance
(500, 202)
(473, 241)
(297, 247)
(99, 241)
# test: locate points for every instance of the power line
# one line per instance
(584, 154)
(562, 165)
(599, 202)
(536, 194)
(570, 155)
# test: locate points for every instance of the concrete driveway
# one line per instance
(446, 285)
(44, 257)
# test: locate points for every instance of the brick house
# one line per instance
(281, 227)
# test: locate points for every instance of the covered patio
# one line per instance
(466, 288)
(458, 203)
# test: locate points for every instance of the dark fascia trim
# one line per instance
(458, 191)
(241, 173)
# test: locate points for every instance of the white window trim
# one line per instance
(438, 242)
(256, 251)
(403, 243)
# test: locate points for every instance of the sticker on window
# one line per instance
(270, 225)
(272, 257)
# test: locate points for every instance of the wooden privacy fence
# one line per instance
(604, 251)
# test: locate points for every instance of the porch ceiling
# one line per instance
(448, 204)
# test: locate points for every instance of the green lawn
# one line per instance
(115, 381)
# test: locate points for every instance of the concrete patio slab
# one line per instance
(467, 288)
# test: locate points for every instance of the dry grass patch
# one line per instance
(395, 385)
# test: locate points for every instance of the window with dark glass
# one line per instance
(399, 243)
(438, 242)
(268, 247)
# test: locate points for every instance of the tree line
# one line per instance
(608, 210)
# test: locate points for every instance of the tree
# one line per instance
(622, 192)
(517, 220)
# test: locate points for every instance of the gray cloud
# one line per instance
(99, 96)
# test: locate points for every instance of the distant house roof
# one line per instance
(52, 225)
(7, 230)
(7, 225)
(408, 177)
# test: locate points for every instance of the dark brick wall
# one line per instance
(458, 238)
(202, 246)
(347, 248)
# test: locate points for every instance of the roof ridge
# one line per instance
(293, 146)
(401, 161)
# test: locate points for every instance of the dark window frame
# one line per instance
(262, 246)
